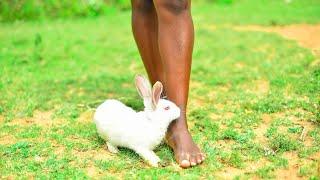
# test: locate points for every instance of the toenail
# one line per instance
(193, 163)
(199, 161)
(185, 163)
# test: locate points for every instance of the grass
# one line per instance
(251, 96)
(264, 12)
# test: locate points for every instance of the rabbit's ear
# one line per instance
(156, 93)
(143, 86)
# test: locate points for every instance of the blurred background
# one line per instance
(13, 10)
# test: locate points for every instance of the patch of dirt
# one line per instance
(58, 149)
(219, 106)
(254, 166)
(304, 137)
(298, 118)
(290, 115)
(39, 118)
(42, 118)
(214, 116)
(262, 86)
(293, 167)
(127, 85)
(291, 172)
(223, 115)
(7, 140)
(89, 157)
(250, 169)
(86, 117)
(134, 67)
(210, 27)
(92, 171)
(195, 100)
(261, 130)
(225, 144)
(316, 156)
(293, 116)
(229, 173)
(228, 115)
(224, 88)
(1, 119)
(72, 91)
(295, 163)
(99, 154)
(266, 118)
(212, 95)
(39, 159)
(305, 34)
(259, 87)
(239, 65)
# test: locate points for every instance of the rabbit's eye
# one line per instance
(167, 108)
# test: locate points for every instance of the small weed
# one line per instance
(296, 129)
(282, 143)
(265, 172)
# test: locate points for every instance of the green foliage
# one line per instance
(271, 12)
(20, 149)
(30, 132)
(308, 169)
(38, 9)
(236, 159)
(266, 172)
(223, 1)
(122, 4)
(282, 143)
(296, 129)
(279, 161)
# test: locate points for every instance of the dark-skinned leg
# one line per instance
(176, 36)
(145, 31)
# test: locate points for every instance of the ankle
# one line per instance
(177, 135)
(178, 128)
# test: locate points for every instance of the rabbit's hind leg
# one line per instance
(112, 148)
(149, 156)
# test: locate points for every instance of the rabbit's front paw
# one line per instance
(112, 148)
(149, 156)
(154, 163)
(154, 160)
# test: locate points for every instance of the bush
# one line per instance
(11, 10)
(121, 4)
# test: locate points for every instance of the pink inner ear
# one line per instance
(142, 86)
(156, 92)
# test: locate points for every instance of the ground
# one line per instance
(253, 108)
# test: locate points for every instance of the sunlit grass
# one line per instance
(252, 95)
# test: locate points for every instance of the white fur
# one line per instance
(142, 131)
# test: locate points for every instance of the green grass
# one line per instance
(251, 95)
(264, 12)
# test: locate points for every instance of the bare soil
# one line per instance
(305, 34)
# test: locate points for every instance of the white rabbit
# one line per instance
(141, 131)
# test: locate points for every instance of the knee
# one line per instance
(142, 6)
(174, 7)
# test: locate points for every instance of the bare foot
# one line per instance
(187, 153)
